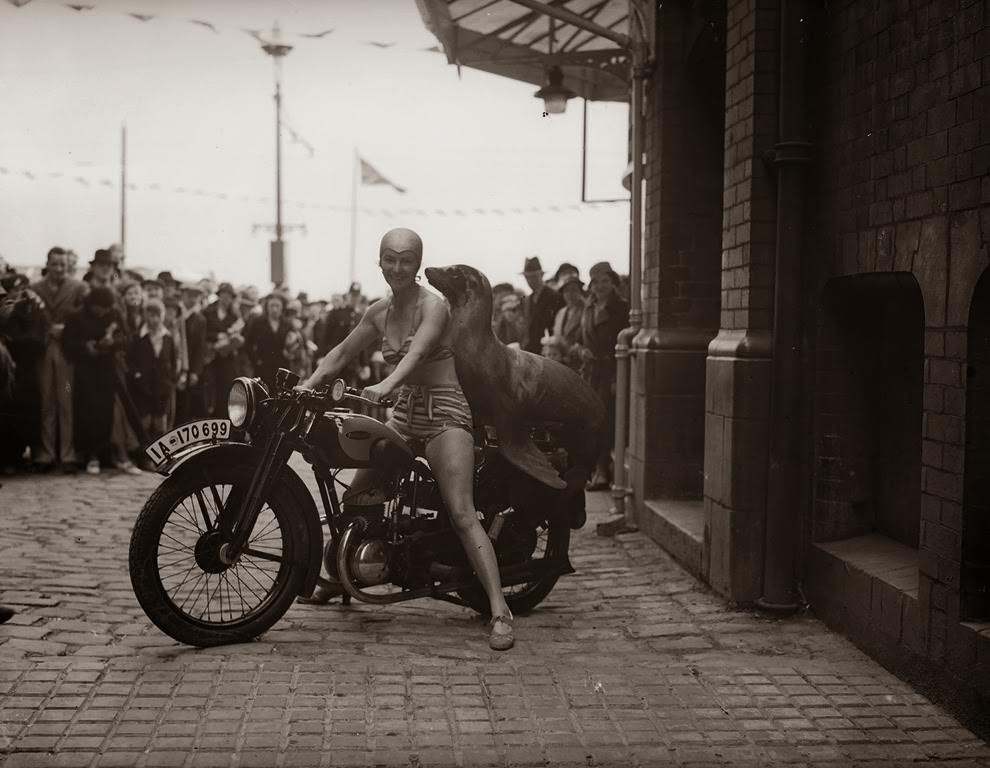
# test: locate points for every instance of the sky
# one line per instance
(199, 110)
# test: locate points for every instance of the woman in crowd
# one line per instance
(431, 410)
(567, 324)
(265, 338)
(604, 316)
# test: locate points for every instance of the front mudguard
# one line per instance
(201, 457)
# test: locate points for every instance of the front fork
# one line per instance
(237, 527)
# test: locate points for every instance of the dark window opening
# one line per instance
(868, 411)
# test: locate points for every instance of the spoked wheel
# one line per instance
(520, 542)
(177, 558)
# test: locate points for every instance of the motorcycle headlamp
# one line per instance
(241, 401)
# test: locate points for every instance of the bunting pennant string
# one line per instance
(215, 27)
(206, 24)
(35, 176)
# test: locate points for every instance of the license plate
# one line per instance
(203, 430)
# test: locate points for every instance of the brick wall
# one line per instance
(903, 184)
(685, 112)
(749, 197)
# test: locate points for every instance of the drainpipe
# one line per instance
(624, 510)
(790, 158)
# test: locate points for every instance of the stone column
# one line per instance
(737, 401)
(681, 258)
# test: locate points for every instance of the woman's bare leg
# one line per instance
(451, 457)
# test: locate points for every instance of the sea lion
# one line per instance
(511, 389)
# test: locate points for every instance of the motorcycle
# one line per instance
(232, 536)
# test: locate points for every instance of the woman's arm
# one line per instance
(363, 335)
(427, 336)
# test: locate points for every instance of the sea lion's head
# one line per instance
(464, 287)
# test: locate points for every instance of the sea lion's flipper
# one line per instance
(527, 457)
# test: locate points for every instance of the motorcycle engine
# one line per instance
(368, 563)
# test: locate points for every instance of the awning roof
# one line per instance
(508, 38)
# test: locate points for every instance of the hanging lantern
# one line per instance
(554, 94)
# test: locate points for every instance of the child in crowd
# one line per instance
(152, 362)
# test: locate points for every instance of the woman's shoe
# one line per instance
(321, 596)
(129, 468)
(500, 639)
(93, 467)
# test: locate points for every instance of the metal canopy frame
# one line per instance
(519, 39)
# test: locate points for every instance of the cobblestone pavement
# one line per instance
(631, 662)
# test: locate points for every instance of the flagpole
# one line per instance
(355, 180)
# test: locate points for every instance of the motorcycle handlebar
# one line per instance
(321, 399)
(355, 394)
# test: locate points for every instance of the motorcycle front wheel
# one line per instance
(176, 571)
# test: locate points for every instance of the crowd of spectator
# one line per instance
(562, 320)
(95, 365)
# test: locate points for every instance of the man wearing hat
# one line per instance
(102, 269)
(154, 289)
(540, 307)
(62, 295)
(223, 339)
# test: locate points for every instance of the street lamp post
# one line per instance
(277, 50)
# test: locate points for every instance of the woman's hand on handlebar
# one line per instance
(376, 392)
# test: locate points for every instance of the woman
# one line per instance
(265, 339)
(431, 411)
(567, 324)
(604, 316)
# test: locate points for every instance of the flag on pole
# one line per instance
(369, 175)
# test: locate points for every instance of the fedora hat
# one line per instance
(532, 266)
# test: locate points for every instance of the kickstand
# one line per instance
(345, 599)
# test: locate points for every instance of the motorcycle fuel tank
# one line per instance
(346, 440)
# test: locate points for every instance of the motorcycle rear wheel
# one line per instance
(553, 540)
(177, 577)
